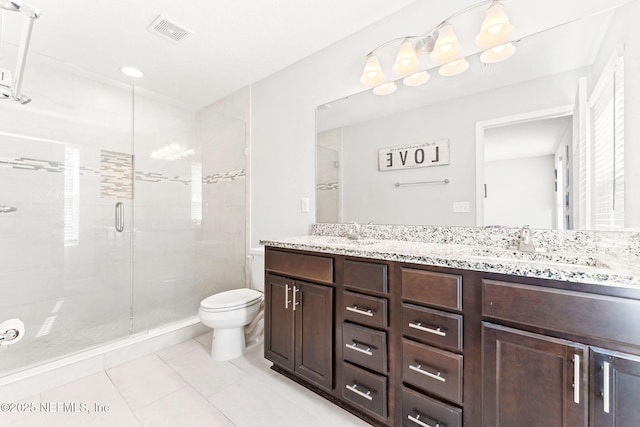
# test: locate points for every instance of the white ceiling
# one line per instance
(235, 42)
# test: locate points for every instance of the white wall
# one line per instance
(283, 108)
(520, 191)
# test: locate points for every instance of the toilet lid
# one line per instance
(230, 299)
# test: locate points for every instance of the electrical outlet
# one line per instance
(461, 207)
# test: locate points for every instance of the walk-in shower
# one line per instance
(110, 240)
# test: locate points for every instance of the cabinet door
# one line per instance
(278, 331)
(532, 380)
(313, 305)
(615, 393)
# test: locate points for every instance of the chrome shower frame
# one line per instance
(14, 91)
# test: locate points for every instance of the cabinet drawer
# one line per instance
(365, 347)
(364, 309)
(438, 289)
(578, 313)
(419, 410)
(431, 369)
(365, 275)
(364, 389)
(432, 326)
(305, 266)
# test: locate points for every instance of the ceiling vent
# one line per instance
(169, 30)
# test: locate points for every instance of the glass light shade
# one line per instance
(385, 88)
(498, 53)
(406, 60)
(453, 68)
(417, 79)
(495, 28)
(447, 45)
(372, 74)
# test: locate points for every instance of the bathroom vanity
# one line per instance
(431, 334)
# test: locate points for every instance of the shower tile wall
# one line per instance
(65, 160)
(328, 176)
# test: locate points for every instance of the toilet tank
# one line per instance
(256, 260)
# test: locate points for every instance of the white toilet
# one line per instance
(233, 313)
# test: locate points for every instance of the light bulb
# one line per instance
(447, 45)
(406, 60)
(495, 29)
(372, 74)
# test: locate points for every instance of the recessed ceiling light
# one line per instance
(132, 72)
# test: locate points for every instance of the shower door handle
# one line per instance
(119, 217)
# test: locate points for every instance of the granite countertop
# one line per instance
(589, 268)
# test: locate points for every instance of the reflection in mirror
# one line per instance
(540, 139)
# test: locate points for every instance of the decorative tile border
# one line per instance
(224, 176)
(116, 175)
(327, 186)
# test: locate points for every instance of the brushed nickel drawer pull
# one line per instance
(437, 376)
(355, 309)
(416, 420)
(576, 378)
(354, 389)
(606, 384)
(295, 291)
(286, 297)
(436, 331)
(355, 347)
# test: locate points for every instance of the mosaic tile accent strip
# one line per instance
(158, 177)
(327, 186)
(224, 176)
(32, 164)
(116, 175)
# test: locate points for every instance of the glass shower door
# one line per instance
(65, 163)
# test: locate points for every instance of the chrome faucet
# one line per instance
(526, 243)
(354, 231)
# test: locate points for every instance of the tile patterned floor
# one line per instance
(182, 386)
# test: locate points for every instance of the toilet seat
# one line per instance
(231, 300)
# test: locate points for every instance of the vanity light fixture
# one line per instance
(443, 47)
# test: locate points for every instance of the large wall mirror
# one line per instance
(549, 137)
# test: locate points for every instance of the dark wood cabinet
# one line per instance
(299, 328)
(402, 344)
(615, 392)
(531, 380)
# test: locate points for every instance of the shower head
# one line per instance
(7, 209)
(18, 6)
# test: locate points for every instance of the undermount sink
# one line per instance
(540, 257)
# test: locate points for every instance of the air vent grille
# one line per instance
(169, 30)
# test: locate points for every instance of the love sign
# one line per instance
(434, 153)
